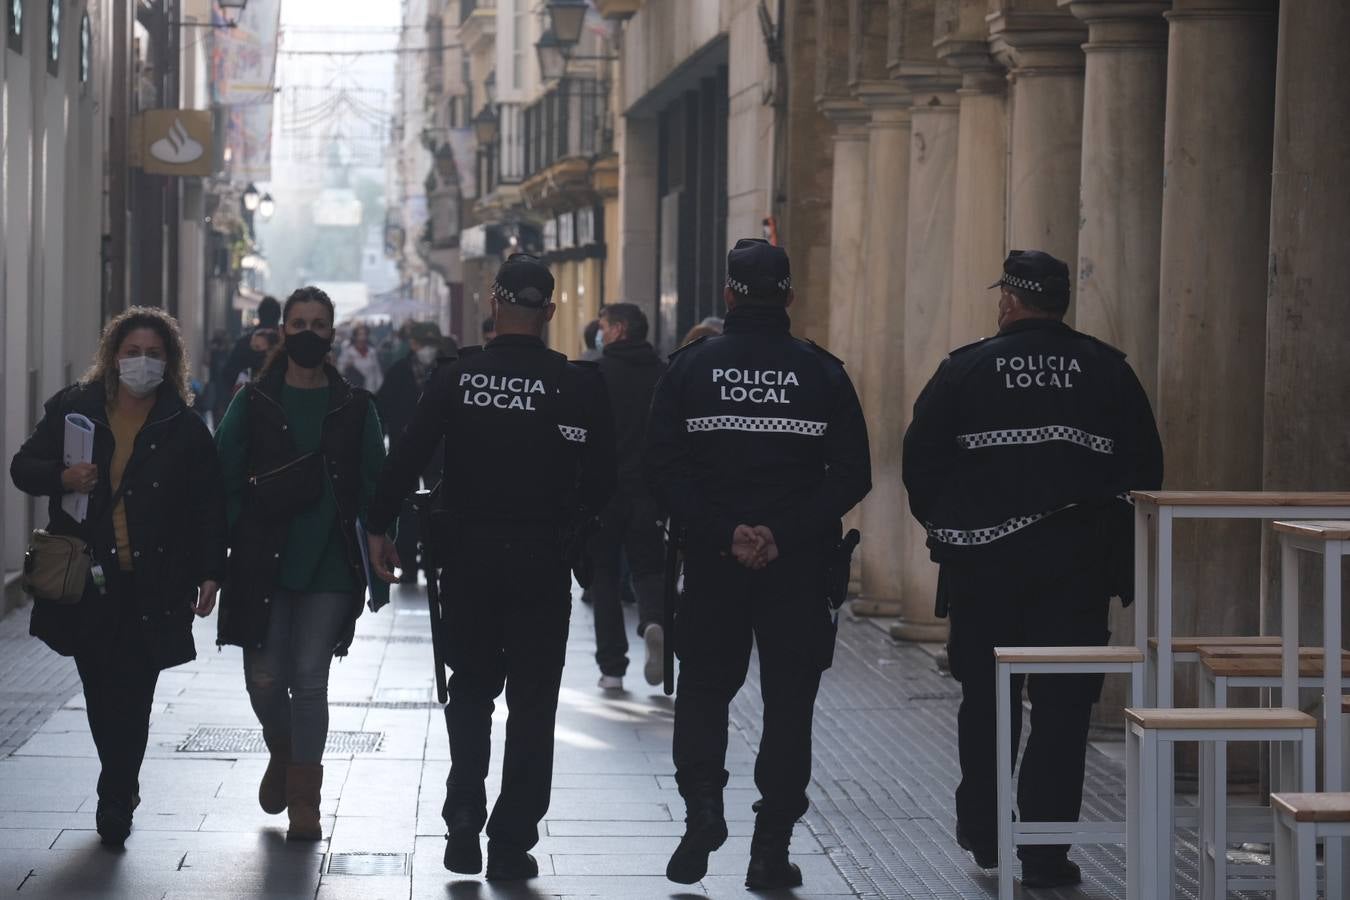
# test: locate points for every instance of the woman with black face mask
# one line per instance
(300, 449)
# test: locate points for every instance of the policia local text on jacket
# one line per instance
(1021, 448)
(529, 450)
(753, 427)
(175, 530)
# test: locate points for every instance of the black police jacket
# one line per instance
(529, 440)
(175, 508)
(631, 370)
(1019, 426)
(756, 427)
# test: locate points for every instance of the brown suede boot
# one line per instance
(272, 788)
(303, 783)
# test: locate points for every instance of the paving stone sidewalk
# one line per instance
(880, 826)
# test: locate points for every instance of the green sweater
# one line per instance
(312, 560)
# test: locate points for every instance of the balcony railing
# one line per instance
(570, 120)
(503, 161)
(466, 7)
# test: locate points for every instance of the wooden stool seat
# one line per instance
(1195, 643)
(1333, 807)
(1255, 652)
(1266, 666)
(1315, 530)
(1219, 719)
(1069, 654)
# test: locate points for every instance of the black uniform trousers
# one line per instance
(725, 608)
(507, 607)
(1047, 587)
(119, 678)
(629, 526)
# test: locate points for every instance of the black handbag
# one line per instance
(289, 489)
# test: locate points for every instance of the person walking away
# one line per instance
(541, 427)
(300, 450)
(757, 445)
(243, 356)
(359, 362)
(631, 525)
(155, 531)
(1020, 451)
(397, 400)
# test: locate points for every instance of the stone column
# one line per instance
(1125, 98)
(1307, 381)
(885, 516)
(928, 296)
(980, 221)
(1212, 289)
(1041, 46)
(847, 217)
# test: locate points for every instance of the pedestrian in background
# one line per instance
(1020, 450)
(591, 350)
(243, 356)
(540, 426)
(709, 327)
(359, 363)
(261, 344)
(631, 524)
(757, 446)
(300, 449)
(489, 330)
(154, 529)
(397, 400)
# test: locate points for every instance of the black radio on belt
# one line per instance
(837, 566)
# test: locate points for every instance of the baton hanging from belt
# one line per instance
(424, 502)
(672, 595)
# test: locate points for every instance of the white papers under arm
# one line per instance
(79, 448)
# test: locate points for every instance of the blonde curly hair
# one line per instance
(104, 367)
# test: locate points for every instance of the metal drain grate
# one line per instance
(250, 740)
(367, 864)
(396, 638)
(386, 704)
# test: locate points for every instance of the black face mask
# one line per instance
(306, 349)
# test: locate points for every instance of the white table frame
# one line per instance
(1160, 678)
(1332, 551)
(1296, 854)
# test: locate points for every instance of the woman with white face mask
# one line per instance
(155, 530)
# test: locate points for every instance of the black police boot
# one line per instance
(1057, 871)
(113, 821)
(462, 851)
(705, 830)
(769, 868)
(510, 863)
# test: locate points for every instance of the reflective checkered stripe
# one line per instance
(756, 423)
(979, 536)
(1011, 436)
(572, 433)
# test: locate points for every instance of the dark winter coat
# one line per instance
(631, 370)
(175, 509)
(397, 401)
(256, 539)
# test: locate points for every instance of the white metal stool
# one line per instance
(1300, 819)
(1009, 661)
(1149, 738)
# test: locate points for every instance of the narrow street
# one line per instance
(880, 825)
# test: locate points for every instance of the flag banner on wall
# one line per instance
(243, 78)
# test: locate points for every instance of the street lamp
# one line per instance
(485, 126)
(490, 87)
(266, 207)
(251, 198)
(552, 61)
(237, 6)
(567, 18)
(445, 162)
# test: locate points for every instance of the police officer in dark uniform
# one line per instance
(1018, 462)
(529, 454)
(757, 445)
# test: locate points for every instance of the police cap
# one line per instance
(756, 268)
(1037, 272)
(524, 280)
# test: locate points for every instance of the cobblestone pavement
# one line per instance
(880, 826)
(34, 682)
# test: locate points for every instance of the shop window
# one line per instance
(86, 49)
(53, 36)
(14, 25)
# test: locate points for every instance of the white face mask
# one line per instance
(426, 355)
(141, 375)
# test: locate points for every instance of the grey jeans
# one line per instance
(287, 677)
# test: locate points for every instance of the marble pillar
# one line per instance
(1042, 48)
(1119, 241)
(980, 219)
(884, 518)
(928, 295)
(1307, 378)
(848, 209)
(1212, 289)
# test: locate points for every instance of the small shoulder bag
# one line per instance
(56, 566)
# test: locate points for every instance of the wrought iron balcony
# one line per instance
(571, 120)
(467, 7)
